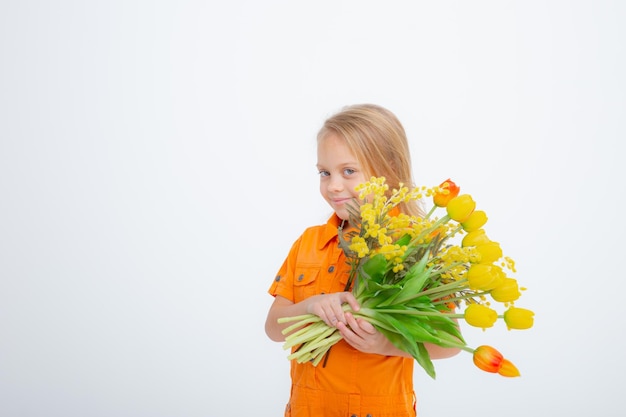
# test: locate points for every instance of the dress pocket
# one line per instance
(305, 283)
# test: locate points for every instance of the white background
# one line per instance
(157, 160)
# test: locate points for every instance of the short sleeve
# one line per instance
(283, 281)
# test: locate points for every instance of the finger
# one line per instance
(329, 317)
(354, 325)
(324, 313)
(337, 313)
(366, 326)
(348, 335)
(349, 298)
(321, 313)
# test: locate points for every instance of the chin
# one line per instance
(343, 214)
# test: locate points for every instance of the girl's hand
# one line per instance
(329, 307)
(363, 336)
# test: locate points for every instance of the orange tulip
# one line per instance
(490, 360)
(487, 358)
(449, 191)
(508, 369)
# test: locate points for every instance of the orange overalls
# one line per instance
(352, 383)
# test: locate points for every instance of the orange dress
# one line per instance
(350, 383)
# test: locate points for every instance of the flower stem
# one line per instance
(430, 213)
(304, 320)
(294, 318)
(444, 287)
(368, 313)
(458, 298)
(310, 332)
(320, 340)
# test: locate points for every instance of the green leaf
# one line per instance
(423, 302)
(405, 333)
(423, 359)
(411, 327)
(400, 342)
(415, 349)
(374, 268)
(404, 240)
(375, 298)
(413, 282)
(452, 329)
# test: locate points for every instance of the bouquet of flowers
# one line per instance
(410, 277)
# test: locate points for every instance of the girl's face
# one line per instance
(339, 172)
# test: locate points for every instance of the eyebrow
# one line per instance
(354, 163)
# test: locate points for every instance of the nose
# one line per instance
(335, 184)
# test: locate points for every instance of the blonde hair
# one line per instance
(377, 139)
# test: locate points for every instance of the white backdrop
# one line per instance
(157, 160)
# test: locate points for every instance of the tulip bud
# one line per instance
(519, 318)
(489, 252)
(479, 315)
(475, 238)
(490, 360)
(508, 369)
(449, 191)
(487, 358)
(460, 207)
(507, 291)
(475, 221)
(484, 277)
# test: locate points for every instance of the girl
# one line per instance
(363, 375)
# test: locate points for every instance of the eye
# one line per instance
(323, 173)
(348, 171)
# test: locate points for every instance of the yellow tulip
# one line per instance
(475, 238)
(519, 318)
(460, 207)
(485, 277)
(489, 252)
(479, 315)
(475, 221)
(507, 291)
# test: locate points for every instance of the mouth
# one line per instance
(341, 201)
